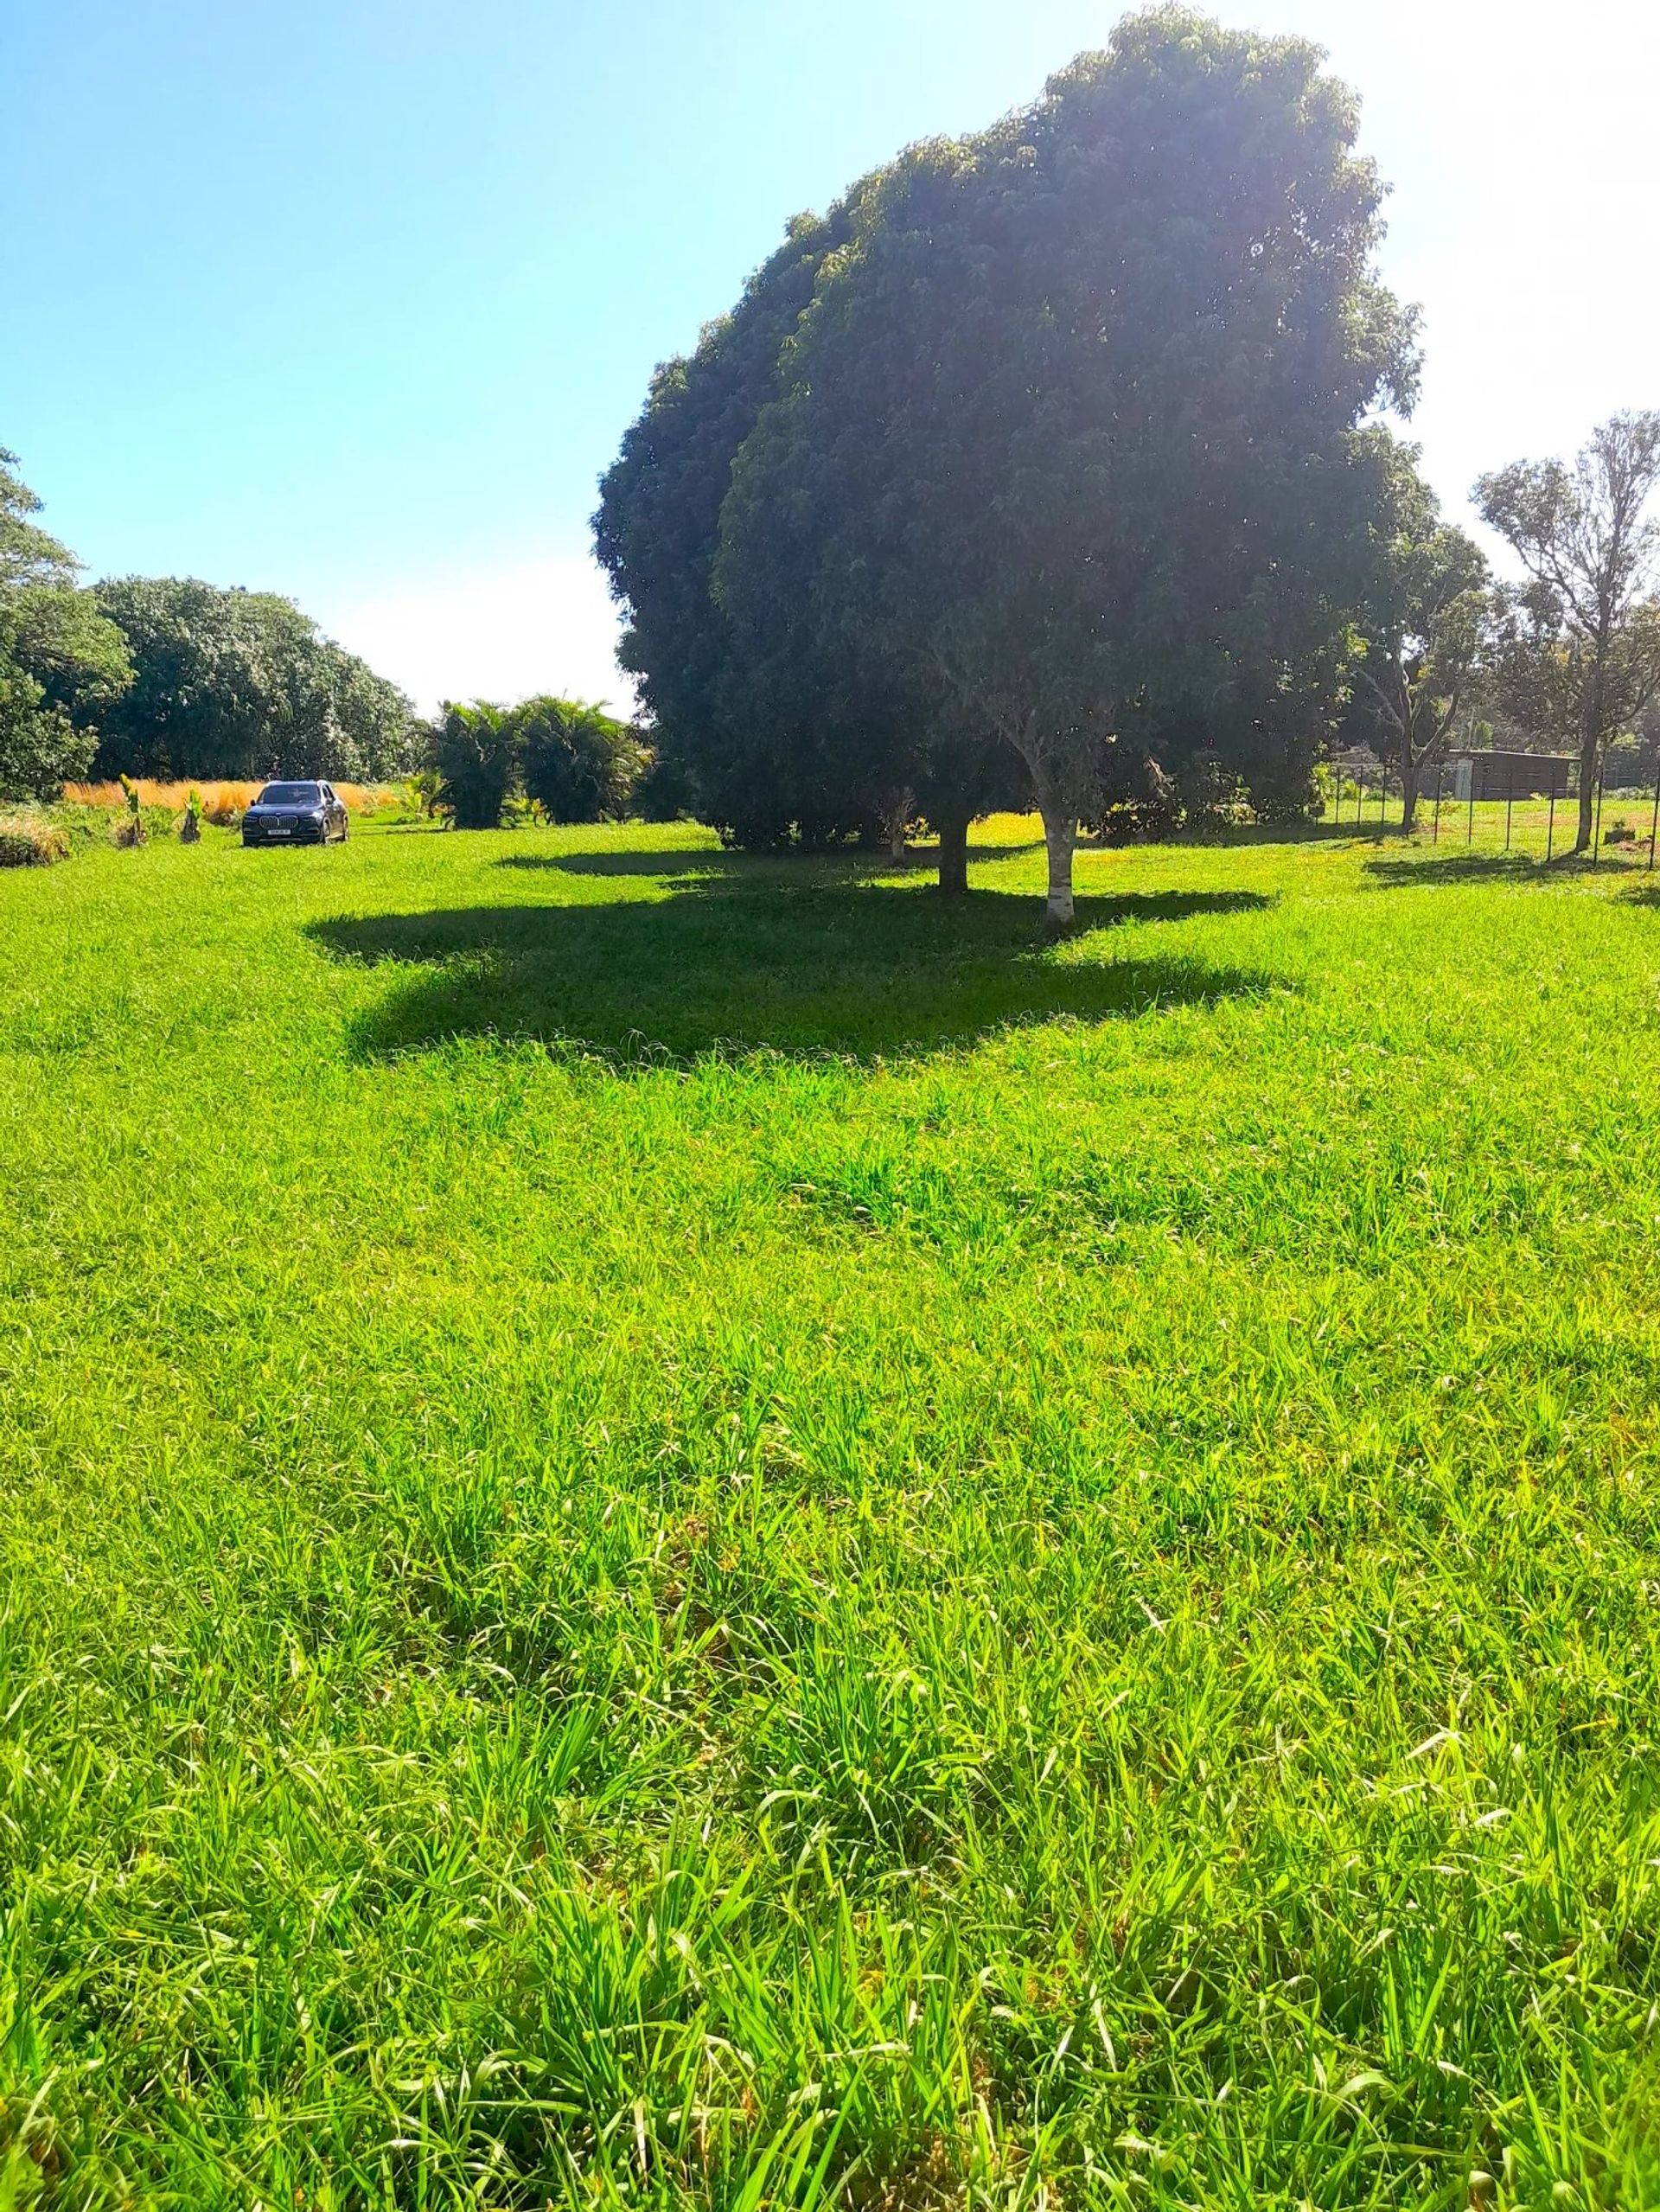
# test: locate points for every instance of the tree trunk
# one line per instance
(1060, 835)
(953, 851)
(895, 820)
(1589, 750)
(1410, 772)
(1058, 802)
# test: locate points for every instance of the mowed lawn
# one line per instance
(686, 1530)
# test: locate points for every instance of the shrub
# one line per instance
(28, 841)
(1213, 795)
(1139, 799)
(423, 792)
(579, 763)
(476, 752)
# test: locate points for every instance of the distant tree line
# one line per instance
(166, 676)
(1046, 467)
(236, 683)
(170, 677)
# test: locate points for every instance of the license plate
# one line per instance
(280, 829)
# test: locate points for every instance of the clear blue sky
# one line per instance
(354, 299)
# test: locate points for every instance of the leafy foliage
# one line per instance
(241, 684)
(1580, 658)
(656, 532)
(579, 763)
(1426, 629)
(570, 759)
(1114, 352)
(1044, 436)
(475, 750)
(58, 658)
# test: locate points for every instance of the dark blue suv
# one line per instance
(295, 814)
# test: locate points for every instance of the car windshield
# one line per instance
(290, 795)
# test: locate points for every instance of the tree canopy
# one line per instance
(656, 532)
(60, 659)
(1426, 625)
(1053, 441)
(1580, 656)
(235, 683)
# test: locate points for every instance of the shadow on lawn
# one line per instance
(1485, 867)
(862, 970)
(790, 869)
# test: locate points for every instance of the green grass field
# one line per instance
(686, 1531)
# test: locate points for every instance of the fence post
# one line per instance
(1654, 825)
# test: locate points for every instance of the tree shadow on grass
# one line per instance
(793, 870)
(861, 971)
(1483, 868)
(706, 864)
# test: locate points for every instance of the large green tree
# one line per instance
(1581, 659)
(1071, 420)
(235, 683)
(1426, 625)
(760, 718)
(839, 711)
(59, 659)
(656, 531)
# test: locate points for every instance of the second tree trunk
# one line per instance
(1060, 835)
(953, 851)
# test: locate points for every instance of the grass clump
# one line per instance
(698, 1531)
(30, 840)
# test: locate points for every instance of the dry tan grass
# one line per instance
(221, 802)
(28, 840)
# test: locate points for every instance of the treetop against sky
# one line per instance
(371, 321)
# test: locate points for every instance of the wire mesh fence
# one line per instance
(1509, 801)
